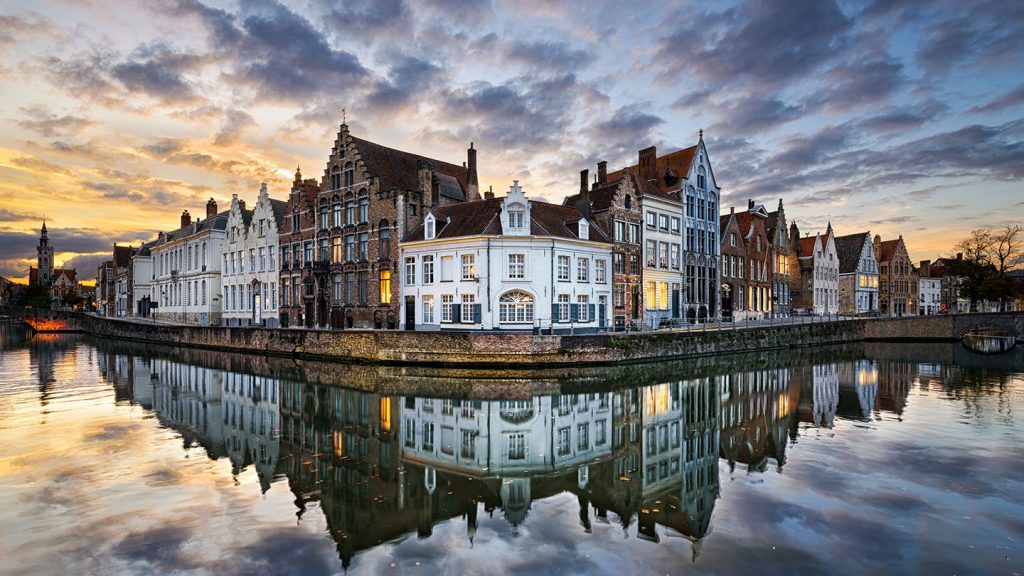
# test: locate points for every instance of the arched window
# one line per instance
(350, 210)
(350, 174)
(324, 223)
(204, 258)
(336, 211)
(204, 293)
(335, 178)
(516, 307)
(628, 202)
(702, 178)
(385, 241)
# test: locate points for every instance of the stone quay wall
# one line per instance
(490, 349)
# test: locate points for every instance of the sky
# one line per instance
(893, 117)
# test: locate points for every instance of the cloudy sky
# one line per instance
(896, 117)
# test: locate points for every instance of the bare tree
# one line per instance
(1006, 251)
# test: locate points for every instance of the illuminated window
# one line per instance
(385, 286)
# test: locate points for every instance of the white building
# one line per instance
(663, 245)
(248, 262)
(930, 295)
(186, 264)
(505, 264)
(142, 281)
(819, 273)
(858, 274)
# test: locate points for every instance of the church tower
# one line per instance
(45, 257)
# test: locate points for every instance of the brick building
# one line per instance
(613, 207)
(734, 255)
(747, 261)
(296, 236)
(898, 290)
(782, 250)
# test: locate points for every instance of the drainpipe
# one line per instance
(490, 310)
(551, 283)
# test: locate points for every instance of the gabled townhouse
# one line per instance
(778, 235)
(249, 267)
(142, 301)
(733, 295)
(297, 293)
(815, 287)
(688, 174)
(747, 261)
(897, 281)
(612, 206)
(187, 275)
(662, 273)
(929, 290)
(369, 197)
(506, 264)
(858, 274)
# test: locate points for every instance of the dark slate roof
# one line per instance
(449, 187)
(280, 208)
(773, 221)
(482, 217)
(849, 249)
(215, 222)
(123, 255)
(678, 162)
(601, 198)
(399, 170)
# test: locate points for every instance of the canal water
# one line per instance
(117, 458)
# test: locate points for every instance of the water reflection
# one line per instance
(646, 449)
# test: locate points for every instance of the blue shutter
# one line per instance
(477, 313)
(574, 312)
(456, 313)
(554, 313)
(592, 316)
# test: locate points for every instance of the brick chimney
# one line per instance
(602, 172)
(186, 219)
(473, 192)
(750, 204)
(490, 193)
(925, 268)
(211, 208)
(648, 163)
(584, 184)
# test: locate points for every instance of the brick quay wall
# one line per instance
(488, 349)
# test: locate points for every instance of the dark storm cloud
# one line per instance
(750, 114)
(629, 125)
(408, 79)
(551, 56)
(991, 33)
(769, 43)
(367, 19)
(20, 244)
(858, 83)
(904, 118)
(159, 72)
(86, 264)
(41, 120)
(110, 191)
(14, 216)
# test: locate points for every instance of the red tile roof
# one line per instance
(807, 246)
(679, 162)
(887, 250)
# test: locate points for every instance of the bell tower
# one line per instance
(45, 258)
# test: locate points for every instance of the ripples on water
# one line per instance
(123, 459)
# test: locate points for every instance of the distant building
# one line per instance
(858, 274)
(929, 290)
(505, 263)
(59, 282)
(778, 235)
(187, 273)
(747, 263)
(249, 270)
(897, 287)
(815, 287)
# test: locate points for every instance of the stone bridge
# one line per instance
(942, 327)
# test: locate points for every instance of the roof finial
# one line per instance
(344, 117)
(701, 133)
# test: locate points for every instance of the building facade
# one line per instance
(249, 269)
(662, 272)
(187, 275)
(778, 235)
(858, 274)
(612, 206)
(58, 282)
(898, 289)
(297, 293)
(506, 263)
(929, 295)
(733, 295)
(815, 289)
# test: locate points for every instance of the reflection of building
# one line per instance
(824, 396)
(249, 404)
(188, 399)
(756, 406)
(894, 382)
(858, 388)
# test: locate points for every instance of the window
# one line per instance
(336, 213)
(563, 441)
(516, 307)
(674, 256)
(758, 242)
(325, 250)
(296, 222)
(628, 202)
(428, 269)
(324, 223)
(563, 307)
(384, 251)
(350, 211)
(468, 266)
(663, 295)
(336, 289)
(652, 220)
(675, 225)
(619, 263)
(583, 436)
(468, 309)
(583, 315)
(446, 308)
(385, 286)
(335, 178)
(517, 266)
(336, 249)
(634, 233)
(515, 219)
(308, 249)
(428, 229)
(652, 254)
(284, 291)
(428, 436)
(446, 268)
(517, 446)
(583, 269)
(619, 296)
(468, 445)
(350, 174)
(364, 241)
(732, 238)
(428, 309)
(620, 231)
(663, 255)
(263, 259)
(563, 268)
(601, 271)
(634, 264)
(701, 178)
(364, 209)
(663, 222)
(600, 433)
(410, 271)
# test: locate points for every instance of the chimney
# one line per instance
(490, 193)
(241, 205)
(473, 192)
(750, 204)
(732, 210)
(186, 219)
(925, 268)
(584, 177)
(211, 208)
(602, 172)
(648, 166)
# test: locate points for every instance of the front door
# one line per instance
(410, 312)
(310, 316)
(602, 307)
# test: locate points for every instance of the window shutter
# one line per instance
(574, 312)
(591, 316)
(476, 313)
(456, 313)
(554, 313)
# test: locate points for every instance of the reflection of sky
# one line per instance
(91, 486)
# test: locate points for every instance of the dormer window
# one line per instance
(584, 230)
(428, 227)
(515, 219)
